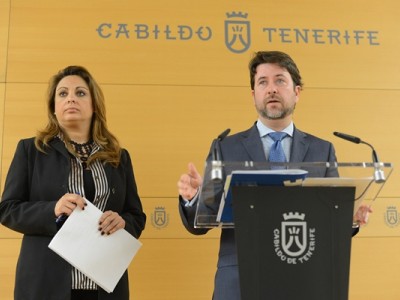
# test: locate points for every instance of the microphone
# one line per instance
(216, 163)
(379, 176)
(348, 137)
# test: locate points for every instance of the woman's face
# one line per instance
(73, 102)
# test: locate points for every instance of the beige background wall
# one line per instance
(168, 96)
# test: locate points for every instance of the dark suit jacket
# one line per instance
(247, 146)
(34, 183)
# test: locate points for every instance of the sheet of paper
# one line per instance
(103, 258)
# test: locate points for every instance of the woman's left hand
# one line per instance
(110, 222)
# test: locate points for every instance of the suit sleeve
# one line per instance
(188, 214)
(133, 214)
(17, 210)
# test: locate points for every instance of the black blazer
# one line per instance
(34, 183)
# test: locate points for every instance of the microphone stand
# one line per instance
(379, 175)
(216, 163)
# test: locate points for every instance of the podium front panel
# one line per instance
(293, 242)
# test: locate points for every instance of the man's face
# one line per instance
(275, 95)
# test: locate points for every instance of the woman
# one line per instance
(73, 159)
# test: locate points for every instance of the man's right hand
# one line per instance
(189, 183)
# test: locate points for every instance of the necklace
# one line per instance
(83, 150)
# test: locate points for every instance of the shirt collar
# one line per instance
(264, 130)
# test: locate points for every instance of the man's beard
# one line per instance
(276, 114)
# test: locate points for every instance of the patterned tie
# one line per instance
(276, 153)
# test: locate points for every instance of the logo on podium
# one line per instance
(294, 242)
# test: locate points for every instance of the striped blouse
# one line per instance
(91, 183)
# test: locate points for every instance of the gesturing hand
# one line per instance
(362, 214)
(189, 183)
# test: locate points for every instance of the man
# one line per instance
(276, 85)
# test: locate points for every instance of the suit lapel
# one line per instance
(299, 146)
(59, 146)
(252, 143)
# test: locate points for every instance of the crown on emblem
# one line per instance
(391, 208)
(159, 208)
(294, 216)
(235, 14)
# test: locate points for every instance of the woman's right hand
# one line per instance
(67, 203)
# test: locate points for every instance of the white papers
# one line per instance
(103, 258)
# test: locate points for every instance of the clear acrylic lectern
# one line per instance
(293, 225)
(369, 178)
